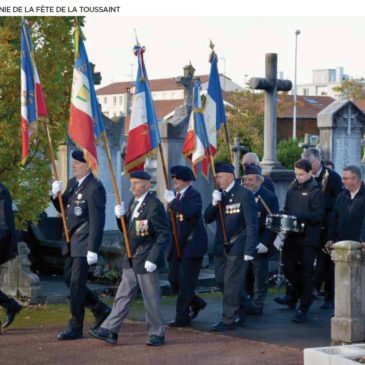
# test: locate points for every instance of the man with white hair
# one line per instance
(251, 158)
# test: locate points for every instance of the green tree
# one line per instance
(351, 89)
(52, 41)
(288, 152)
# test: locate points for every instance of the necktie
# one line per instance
(133, 207)
(178, 197)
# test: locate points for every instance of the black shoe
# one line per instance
(155, 341)
(255, 311)
(178, 324)
(240, 321)
(69, 334)
(286, 301)
(221, 326)
(327, 305)
(10, 315)
(100, 319)
(299, 317)
(195, 311)
(105, 335)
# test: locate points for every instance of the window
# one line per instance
(311, 101)
(305, 91)
(120, 100)
(105, 100)
(114, 100)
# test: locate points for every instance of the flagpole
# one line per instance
(55, 175)
(171, 211)
(118, 198)
(226, 131)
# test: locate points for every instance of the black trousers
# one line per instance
(325, 271)
(75, 275)
(7, 303)
(183, 275)
(298, 260)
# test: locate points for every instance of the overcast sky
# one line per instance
(324, 42)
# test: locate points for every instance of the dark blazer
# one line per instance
(241, 222)
(306, 202)
(149, 233)
(347, 221)
(85, 215)
(266, 236)
(8, 244)
(331, 185)
(192, 235)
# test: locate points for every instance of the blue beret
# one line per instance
(78, 155)
(140, 174)
(224, 167)
(253, 170)
(182, 173)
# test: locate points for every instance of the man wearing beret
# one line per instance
(253, 181)
(193, 241)
(84, 200)
(231, 258)
(149, 234)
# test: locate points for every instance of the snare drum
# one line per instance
(283, 223)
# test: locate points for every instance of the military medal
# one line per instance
(77, 211)
(79, 196)
(181, 217)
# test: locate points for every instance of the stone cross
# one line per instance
(186, 82)
(350, 117)
(96, 75)
(237, 149)
(271, 85)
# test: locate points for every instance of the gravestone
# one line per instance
(341, 127)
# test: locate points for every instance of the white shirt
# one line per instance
(353, 194)
(182, 191)
(319, 172)
(140, 201)
(230, 186)
(82, 179)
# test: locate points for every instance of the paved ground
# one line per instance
(268, 339)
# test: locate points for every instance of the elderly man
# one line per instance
(331, 185)
(251, 158)
(304, 200)
(8, 249)
(347, 221)
(253, 181)
(149, 233)
(231, 257)
(84, 200)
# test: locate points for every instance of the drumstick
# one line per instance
(264, 204)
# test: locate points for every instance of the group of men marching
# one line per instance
(242, 247)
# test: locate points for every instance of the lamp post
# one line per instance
(297, 32)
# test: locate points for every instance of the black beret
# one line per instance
(253, 170)
(224, 167)
(140, 174)
(78, 155)
(182, 173)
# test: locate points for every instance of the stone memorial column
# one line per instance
(348, 324)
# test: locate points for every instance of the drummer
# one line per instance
(305, 200)
(257, 274)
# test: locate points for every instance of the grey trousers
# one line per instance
(260, 272)
(150, 287)
(230, 273)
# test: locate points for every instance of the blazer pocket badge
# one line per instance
(141, 227)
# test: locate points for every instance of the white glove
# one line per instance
(217, 197)
(119, 210)
(91, 258)
(56, 187)
(150, 266)
(278, 244)
(248, 258)
(261, 248)
(169, 196)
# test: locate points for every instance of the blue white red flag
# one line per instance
(195, 146)
(143, 134)
(86, 122)
(214, 112)
(33, 106)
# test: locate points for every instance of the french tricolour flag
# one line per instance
(33, 106)
(86, 122)
(214, 112)
(196, 142)
(143, 134)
